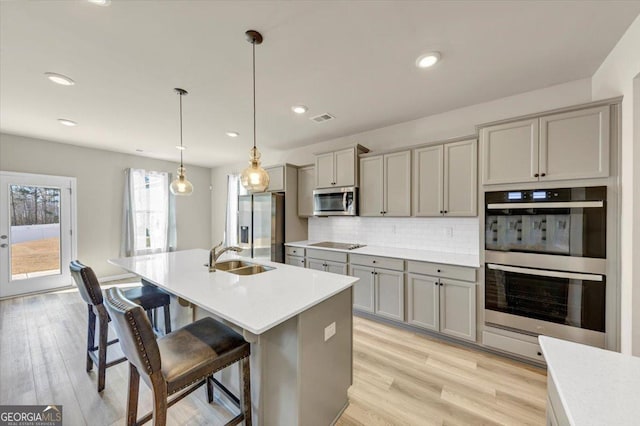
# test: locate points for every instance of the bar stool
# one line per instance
(177, 363)
(149, 297)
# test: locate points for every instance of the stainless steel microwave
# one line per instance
(335, 201)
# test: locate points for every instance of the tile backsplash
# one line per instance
(451, 235)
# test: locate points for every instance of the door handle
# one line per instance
(3, 245)
(3, 237)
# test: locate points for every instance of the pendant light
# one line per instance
(254, 178)
(180, 185)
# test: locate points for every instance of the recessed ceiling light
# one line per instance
(66, 122)
(428, 60)
(232, 134)
(60, 79)
(299, 109)
(181, 148)
(139, 150)
(100, 2)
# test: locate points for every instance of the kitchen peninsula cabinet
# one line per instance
(385, 184)
(567, 145)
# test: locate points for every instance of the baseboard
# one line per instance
(340, 413)
(116, 277)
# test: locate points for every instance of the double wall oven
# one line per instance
(545, 262)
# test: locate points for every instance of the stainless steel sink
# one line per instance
(250, 270)
(232, 264)
(240, 267)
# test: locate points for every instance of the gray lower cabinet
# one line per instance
(363, 290)
(441, 304)
(379, 291)
(327, 266)
(295, 260)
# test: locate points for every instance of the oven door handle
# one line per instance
(545, 273)
(542, 205)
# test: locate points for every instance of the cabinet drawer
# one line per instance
(295, 261)
(295, 251)
(378, 262)
(514, 346)
(441, 270)
(334, 256)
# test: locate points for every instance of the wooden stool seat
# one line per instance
(179, 362)
(197, 349)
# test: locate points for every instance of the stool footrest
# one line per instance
(227, 392)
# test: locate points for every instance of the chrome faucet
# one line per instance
(214, 254)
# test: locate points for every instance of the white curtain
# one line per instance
(231, 222)
(149, 213)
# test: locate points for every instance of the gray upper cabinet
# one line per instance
(306, 185)
(569, 145)
(276, 178)
(336, 168)
(461, 178)
(445, 179)
(428, 181)
(510, 152)
(575, 145)
(324, 170)
(371, 186)
(385, 185)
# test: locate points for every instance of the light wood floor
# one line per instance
(400, 378)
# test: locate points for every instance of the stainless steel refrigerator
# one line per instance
(261, 226)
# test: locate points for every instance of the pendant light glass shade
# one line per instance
(254, 178)
(180, 185)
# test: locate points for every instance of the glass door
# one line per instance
(36, 241)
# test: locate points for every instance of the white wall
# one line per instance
(447, 234)
(615, 77)
(459, 122)
(100, 183)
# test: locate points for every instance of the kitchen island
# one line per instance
(298, 321)
(589, 386)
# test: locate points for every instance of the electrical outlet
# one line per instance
(329, 331)
(448, 232)
(393, 229)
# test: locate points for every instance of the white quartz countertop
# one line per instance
(596, 386)
(470, 260)
(255, 302)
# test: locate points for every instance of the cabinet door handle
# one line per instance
(543, 174)
(435, 283)
(441, 211)
(536, 175)
(439, 270)
(373, 261)
(441, 284)
(445, 212)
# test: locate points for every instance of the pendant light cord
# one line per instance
(253, 44)
(181, 165)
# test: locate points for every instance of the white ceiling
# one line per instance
(353, 59)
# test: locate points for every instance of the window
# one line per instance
(149, 220)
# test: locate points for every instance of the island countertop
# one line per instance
(255, 303)
(595, 386)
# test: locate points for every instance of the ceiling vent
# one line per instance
(322, 117)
